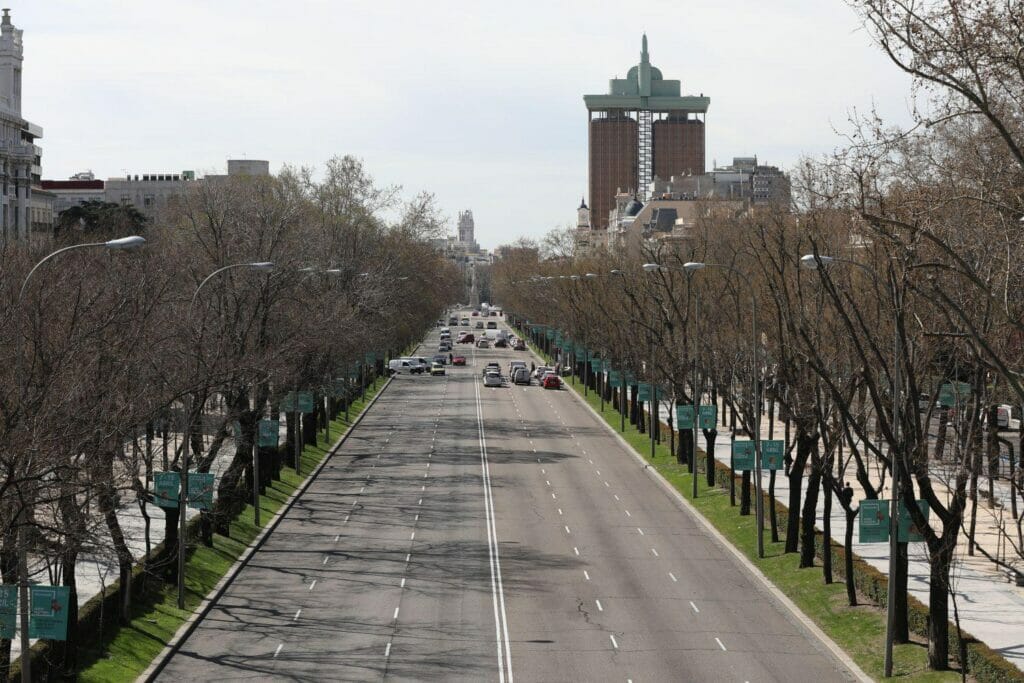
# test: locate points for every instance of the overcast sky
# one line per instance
(478, 102)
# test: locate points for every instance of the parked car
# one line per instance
(1005, 418)
(483, 343)
(492, 325)
(493, 379)
(521, 375)
(466, 338)
(459, 360)
(437, 369)
(519, 345)
(551, 381)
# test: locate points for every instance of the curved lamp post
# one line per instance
(264, 266)
(119, 244)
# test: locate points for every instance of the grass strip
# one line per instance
(129, 649)
(859, 631)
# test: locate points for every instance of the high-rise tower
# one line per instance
(642, 128)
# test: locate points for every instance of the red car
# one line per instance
(468, 339)
(551, 381)
(476, 313)
(459, 360)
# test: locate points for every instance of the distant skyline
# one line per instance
(481, 105)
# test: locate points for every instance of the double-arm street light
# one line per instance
(119, 244)
(262, 266)
(689, 268)
(817, 262)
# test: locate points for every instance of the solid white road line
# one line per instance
(694, 607)
(720, 645)
(497, 589)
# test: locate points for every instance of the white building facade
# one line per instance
(20, 157)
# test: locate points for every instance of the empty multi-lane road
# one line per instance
(469, 533)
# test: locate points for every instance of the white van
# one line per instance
(405, 366)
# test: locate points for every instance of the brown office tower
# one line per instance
(642, 128)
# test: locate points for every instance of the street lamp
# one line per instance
(119, 244)
(261, 266)
(816, 262)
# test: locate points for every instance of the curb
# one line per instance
(802, 620)
(186, 629)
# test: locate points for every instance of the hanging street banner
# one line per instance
(645, 393)
(908, 531)
(166, 487)
(874, 521)
(708, 417)
(614, 379)
(595, 364)
(684, 417)
(48, 612)
(773, 454)
(270, 431)
(742, 455)
(305, 402)
(200, 490)
(8, 611)
(370, 357)
(954, 393)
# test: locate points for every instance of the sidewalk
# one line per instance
(991, 608)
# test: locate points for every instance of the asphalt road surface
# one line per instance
(471, 533)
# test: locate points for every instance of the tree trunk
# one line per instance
(710, 437)
(107, 502)
(685, 447)
(804, 443)
(808, 516)
(745, 493)
(773, 516)
(940, 437)
(826, 527)
(851, 589)
(938, 603)
(901, 629)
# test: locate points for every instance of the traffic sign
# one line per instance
(614, 379)
(684, 417)
(166, 486)
(908, 531)
(305, 403)
(742, 455)
(874, 521)
(370, 357)
(270, 431)
(200, 490)
(773, 454)
(48, 612)
(8, 611)
(550, 335)
(708, 417)
(646, 393)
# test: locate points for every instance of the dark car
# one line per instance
(500, 343)
(520, 345)
(467, 339)
(440, 358)
(491, 325)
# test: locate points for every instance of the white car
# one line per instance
(493, 379)
(542, 370)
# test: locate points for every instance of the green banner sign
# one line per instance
(8, 611)
(644, 392)
(908, 531)
(48, 612)
(614, 379)
(270, 431)
(684, 417)
(581, 351)
(370, 357)
(200, 490)
(595, 364)
(773, 454)
(953, 393)
(874, 521)
(550, 335)
(166, 488)
(305, 402)
(742, 455)
(708, 417)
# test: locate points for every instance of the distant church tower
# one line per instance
(466, 230)
(583, 216)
